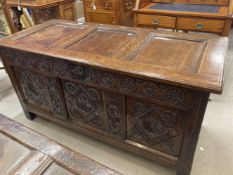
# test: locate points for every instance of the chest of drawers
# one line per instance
(109, 11)
(137, 89)
(199, 16)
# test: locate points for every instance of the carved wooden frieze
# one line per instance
(29, 61)
(157, 92)
(154, 126)
(170, 95)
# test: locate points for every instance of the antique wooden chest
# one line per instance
(25, 152)
(137, 89)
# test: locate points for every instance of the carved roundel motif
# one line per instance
(34, 88)
(84, 103)
(152, 125)
(174, 95)
(150, 89)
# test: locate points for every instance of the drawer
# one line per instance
(208, 2)
(156, 20)
(101, 17)
(99, 5)
(203, 25)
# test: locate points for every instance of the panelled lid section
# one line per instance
(91, 39)
(178, 54)
(53, 35)
(109, 42)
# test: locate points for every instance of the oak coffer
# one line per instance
(138, 89)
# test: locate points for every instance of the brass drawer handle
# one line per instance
(199, 26)
(107, 5)
(155, 22)
(128, 5)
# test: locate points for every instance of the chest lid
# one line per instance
(193, 61)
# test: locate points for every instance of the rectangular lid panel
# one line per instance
(51, 35)
(108, 42)
(183, 55)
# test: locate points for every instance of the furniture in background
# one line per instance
(79, 9)
(214, 16)
(4, 29)
(40, 10)
(141, 90)
(25, 152)
(109, 11)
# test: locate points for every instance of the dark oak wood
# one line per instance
(24, 151)
(138, 89)
(42, 10)
(218, 21)
(109, 11)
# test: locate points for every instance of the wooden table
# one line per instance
(41, 11)
(137, 89)
(25, 152)
(213, 16)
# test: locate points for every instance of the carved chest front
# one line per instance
(137, 89)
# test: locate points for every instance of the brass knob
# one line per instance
(155, 22)
(199, 26)
(106, 6)
(128, 5)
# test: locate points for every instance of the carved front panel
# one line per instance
(155, 126)
(42, 92)
(85, 104)
(34, 89)
(94, 107)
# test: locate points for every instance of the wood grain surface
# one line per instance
(137, 89)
